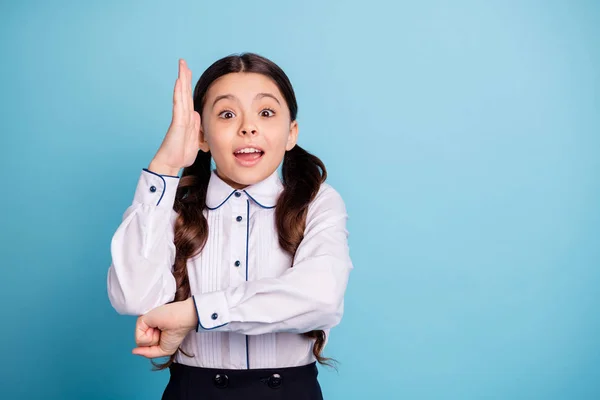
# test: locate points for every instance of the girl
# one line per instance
(238, 274)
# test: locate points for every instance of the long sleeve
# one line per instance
(142, 248)
(308, 296)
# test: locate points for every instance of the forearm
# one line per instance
(143, 249)
(307, 297)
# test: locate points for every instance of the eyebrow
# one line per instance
(232, 97)
(261, 95)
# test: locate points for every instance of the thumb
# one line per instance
(149, 352)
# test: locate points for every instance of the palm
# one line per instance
(180, 145)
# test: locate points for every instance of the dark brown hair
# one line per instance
(302, 173)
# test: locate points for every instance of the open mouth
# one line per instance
(248, 156)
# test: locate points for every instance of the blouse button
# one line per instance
(237, 194)
(214, 316)
(153, 189)
(237, 263)
(239, 218)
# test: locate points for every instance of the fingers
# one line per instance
(187, 88)
(175, 93)
(190, 88)
(181, 83)
(144, 334)
(196, 121)
(183, 104)
(177, 102)
(196, 134)
(181, 94)
(149, 352)
(184, 88)
(148, 338)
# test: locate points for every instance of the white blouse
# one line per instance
(252, 307)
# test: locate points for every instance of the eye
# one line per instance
(226, 114)
(267, 112)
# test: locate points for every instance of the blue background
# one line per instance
(464, 137)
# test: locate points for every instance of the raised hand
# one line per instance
(180, 146)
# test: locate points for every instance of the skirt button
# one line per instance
(274, 381)
(221, 380)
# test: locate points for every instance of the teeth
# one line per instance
(248, 150)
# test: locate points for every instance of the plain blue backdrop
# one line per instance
(464, 137)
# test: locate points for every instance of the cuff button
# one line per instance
(214, 316)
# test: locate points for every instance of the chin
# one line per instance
(247, 176)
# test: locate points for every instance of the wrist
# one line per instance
(191, 315)
(163, 169)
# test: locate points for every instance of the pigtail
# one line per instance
(303, 173)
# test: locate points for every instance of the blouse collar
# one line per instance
(264, 193)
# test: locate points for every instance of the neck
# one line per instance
(233, 184)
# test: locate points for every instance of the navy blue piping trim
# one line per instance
(247, 357)
(247, 240)
(257, 201)
(214, 208)
(200, 324)
(164, 184)
(247, 233)
(196, 313)
(169, 176)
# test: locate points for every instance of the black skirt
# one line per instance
(198, 383)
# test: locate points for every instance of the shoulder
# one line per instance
(327, 202)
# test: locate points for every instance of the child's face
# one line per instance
(254, 113)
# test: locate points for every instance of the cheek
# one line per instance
(276, 141)
(277, 134)
(219, 147)
(219, 136)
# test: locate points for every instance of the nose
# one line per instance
(248, 126)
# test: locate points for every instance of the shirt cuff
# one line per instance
(212, 310)
(157, 190)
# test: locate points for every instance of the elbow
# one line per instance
(128, 301)
(332, 314)
(331, 303)
(328, 310)
(123, 305)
